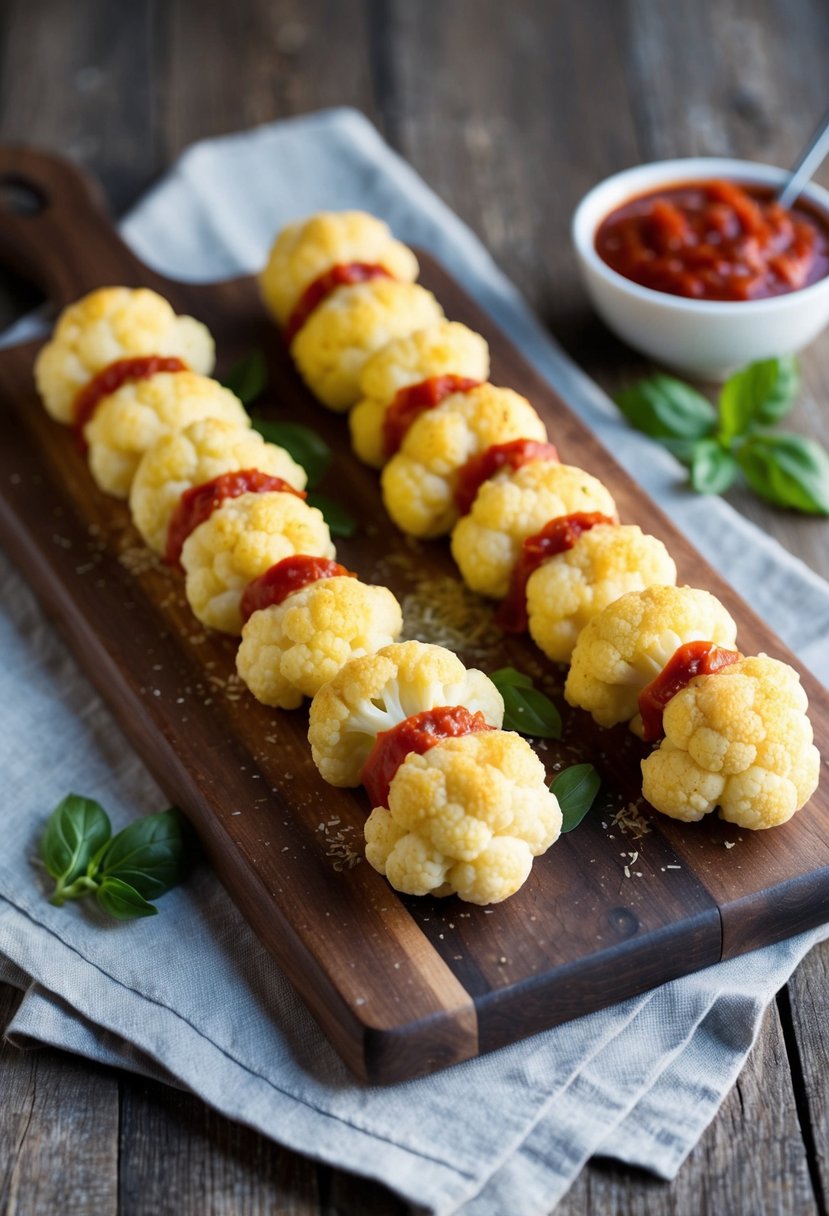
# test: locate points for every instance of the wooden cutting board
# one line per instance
(401, 986)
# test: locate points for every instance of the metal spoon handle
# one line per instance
(816, 150)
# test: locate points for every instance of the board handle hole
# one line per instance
(21, 197)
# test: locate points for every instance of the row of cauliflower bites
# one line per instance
(468, 813)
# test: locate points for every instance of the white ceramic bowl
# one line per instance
(705, 338)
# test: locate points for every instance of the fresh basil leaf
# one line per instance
(147, 855)
(122, 901)
(77, 828)
(760, 394)
(683, 449)
(508, 675)
(787, 470)
(526, 709)
(248, 378)
(530, 712)
(576, 789)
(340, 522)
(665, 408)
(713, 469)
(299, 441)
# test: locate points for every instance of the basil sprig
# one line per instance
(124, 871)
(526, 709)
(575, 788)
(719, 444)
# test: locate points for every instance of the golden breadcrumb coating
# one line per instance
(572, 587)
(419, 481)
(192, 456)
(290, 650)
(447, 348)
(349, 326)
(513, 505)
(740, 740)
(467, 817)
(629, 642)
(128, 422)
(308, 248)
(242, 539)
(109, 324)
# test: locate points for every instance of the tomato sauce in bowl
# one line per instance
(715, 240)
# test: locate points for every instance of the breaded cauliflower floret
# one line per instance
(308, 248)
(513, 505)
(128, 422)
(242, 539)
(739, 739)
(190, 457)
(629, 642)
(447, 348)
(376, 692)
(419, 481)
(467, 817)
(109, 324)
(571, 588)
(349, 325)
(290, 650)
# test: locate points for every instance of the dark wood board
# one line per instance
(401, 986)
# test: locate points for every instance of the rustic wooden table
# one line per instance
(511, 111)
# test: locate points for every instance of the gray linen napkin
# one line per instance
(191, 997)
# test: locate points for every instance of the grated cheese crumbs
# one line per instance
(137, 559)
(442, 611)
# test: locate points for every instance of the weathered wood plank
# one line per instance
(178, 1155)
(58, 1131)
(750, 1160)
(258, 61)
(805, 1005)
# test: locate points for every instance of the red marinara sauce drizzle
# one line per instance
(344, 274)
(198, 503)
(409, 403)
(486, 464)
(692, 659)
(286, 577)
(110, 378)
(557, 536)
(415, 734)
(716, 240)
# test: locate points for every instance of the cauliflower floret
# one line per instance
(349, 326)
(467, 817)
(110, 324)
(629, 642)
(572, 587)
(374, 693)
(515, 504)
(192, 456)
(419, 481)
(242, 539)
(447, 348)
(290, 650)
(128, 422)
(308, 248)
(739, 739)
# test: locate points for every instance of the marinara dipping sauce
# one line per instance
(716, 240)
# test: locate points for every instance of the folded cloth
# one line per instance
(191, 997)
